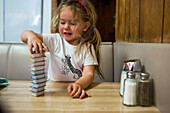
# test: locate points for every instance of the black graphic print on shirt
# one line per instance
(67, 67)
(64, 68)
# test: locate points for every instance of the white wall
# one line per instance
(1, 20)
(46, 16)
(15, 20)
(21, 15)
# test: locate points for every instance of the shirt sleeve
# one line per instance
(89, 59)
(51, 41)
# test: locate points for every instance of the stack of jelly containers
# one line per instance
(38, 74)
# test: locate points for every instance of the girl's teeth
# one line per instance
(68, 33)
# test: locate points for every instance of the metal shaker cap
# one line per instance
(144, 76)
(131, 75)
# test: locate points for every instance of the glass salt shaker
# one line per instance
(144, 90)
(123, 77)
(130, 90)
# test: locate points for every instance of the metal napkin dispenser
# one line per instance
(132, 65)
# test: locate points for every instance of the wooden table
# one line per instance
(16, 98)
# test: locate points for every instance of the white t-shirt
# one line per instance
(64, 62)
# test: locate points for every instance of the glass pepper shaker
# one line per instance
(130, 90)
(144, 90)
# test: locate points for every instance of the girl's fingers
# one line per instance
(35, 47)
(83, 94)
(30, 48)
(45, 47)
(69, 88)
(77, 94)
(74, 90)
(40, 48)
(88, 94)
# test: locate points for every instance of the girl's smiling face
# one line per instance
(70, 29)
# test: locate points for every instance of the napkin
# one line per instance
(3, 82)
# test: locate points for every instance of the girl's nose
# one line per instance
(66, 26)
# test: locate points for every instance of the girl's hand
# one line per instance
(34, 40)
(76, 91)
(37, 44)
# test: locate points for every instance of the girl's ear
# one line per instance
(87, 24)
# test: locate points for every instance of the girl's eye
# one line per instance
(62, 23)
(72, 23)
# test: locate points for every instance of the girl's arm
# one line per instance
(87, 76)
(77, 89)
(34, 40)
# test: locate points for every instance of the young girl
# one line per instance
(74, 49)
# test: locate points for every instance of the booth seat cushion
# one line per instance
(18, 62)
(106, 54)
(4, 50)
(14, 61)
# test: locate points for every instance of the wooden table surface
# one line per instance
(16, 98)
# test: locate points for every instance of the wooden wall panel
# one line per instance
(151, 17)
(134, 21)
(54, 7)
(143, 21)
(117, 22)
(127, 20)
(121, 22)
(105, 10)
(166, 29)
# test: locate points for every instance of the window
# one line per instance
(17, 16)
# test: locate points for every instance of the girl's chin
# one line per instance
(68, 39)
(72, 42)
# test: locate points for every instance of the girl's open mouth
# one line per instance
(67, 34)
